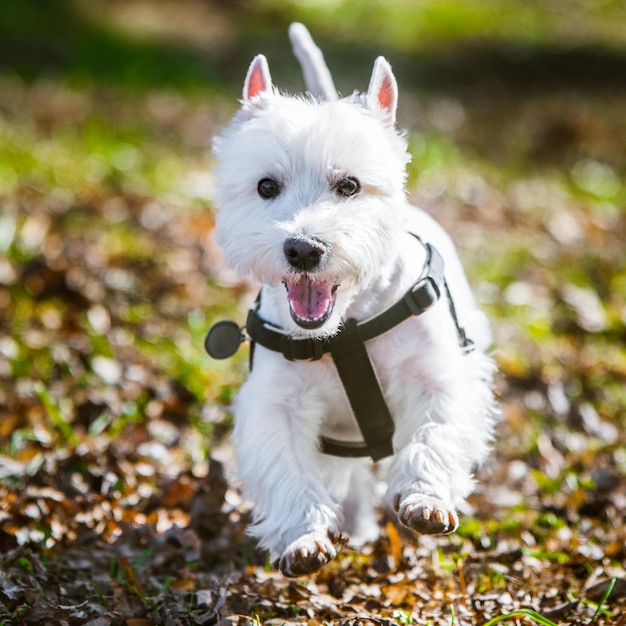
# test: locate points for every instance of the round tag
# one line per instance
(223, 339)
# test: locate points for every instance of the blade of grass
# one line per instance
(605, 597)
(56, 415)
(533, 615)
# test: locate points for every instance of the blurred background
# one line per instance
(109, 277)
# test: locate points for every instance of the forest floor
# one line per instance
(118, 497)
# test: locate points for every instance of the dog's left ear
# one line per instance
(258, 79)
(382, 93)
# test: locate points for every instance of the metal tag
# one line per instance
(223, 339)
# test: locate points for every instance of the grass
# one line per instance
(433, 25)
(62, 38)
(535, 617)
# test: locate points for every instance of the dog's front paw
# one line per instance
(309, 553)
(426, 514)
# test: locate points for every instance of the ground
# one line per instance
(118, 495)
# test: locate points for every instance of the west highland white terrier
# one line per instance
(368, 343)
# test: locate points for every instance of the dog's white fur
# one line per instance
(440, 397)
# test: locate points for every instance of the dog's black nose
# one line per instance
(303, 254)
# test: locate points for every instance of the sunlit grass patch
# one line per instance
(433, 25)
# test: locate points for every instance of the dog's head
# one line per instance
(309, 194)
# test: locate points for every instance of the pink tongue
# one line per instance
(309, 300)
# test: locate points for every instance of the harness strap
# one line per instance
(417, 300)
(363, 390)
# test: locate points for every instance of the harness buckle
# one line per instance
(422, 296)
(318, 350)
(286, 348)
(314, 351)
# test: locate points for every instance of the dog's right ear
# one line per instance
(382, 93)
(258, 79)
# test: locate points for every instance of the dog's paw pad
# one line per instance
(426, 514)
(309, 553)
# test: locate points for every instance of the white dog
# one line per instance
(364, 346)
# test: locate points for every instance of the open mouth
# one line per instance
(310, 302)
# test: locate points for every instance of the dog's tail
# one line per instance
(317, 76)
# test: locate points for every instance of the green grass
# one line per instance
(60, 38)
(535, 617)
(432, 25)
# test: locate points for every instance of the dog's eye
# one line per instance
(268, 188)
(348, 186)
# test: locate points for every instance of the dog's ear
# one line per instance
(258, 79)
(382, 93)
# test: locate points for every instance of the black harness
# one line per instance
(349, 354)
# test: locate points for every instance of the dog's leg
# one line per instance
(276, 429)
(432, 473)
(353, 484)
(429, 483)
